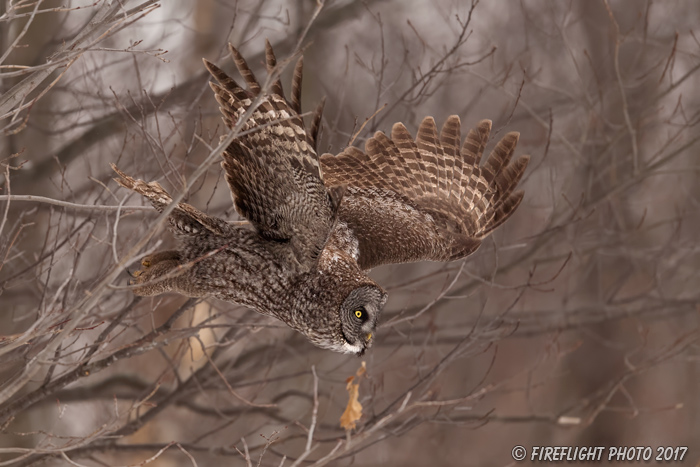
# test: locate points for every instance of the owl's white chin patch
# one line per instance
(351, 348)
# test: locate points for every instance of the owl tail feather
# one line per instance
(155, 193)
(185, 220)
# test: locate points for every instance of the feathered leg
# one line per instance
(160, 272)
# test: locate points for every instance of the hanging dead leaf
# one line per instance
(353, 411)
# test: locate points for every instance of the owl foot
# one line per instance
(153, 266)
(145, 263)
(135, 275)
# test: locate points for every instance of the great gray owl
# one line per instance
(316, 224)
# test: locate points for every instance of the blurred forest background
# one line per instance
(576, 323)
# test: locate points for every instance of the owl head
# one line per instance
(338, 307)
(359, 314)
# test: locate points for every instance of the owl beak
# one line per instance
(368, 340)
(368, 344)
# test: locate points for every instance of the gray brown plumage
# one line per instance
(316, 224)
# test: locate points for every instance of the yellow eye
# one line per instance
(358, 313)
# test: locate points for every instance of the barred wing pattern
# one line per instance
(426, 199)
(272, 169)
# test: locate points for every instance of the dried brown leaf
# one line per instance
(353, 411)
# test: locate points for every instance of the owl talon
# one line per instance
(145, 263)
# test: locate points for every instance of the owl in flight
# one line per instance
(317, 224)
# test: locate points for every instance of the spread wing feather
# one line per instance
(403, 199)
(427, 198)
(272, 168)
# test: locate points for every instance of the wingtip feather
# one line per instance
(244, 69)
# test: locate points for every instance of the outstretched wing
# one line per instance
(272, 169)
(426, 199)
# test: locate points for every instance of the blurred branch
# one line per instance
(79, 207)
(108, 19)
